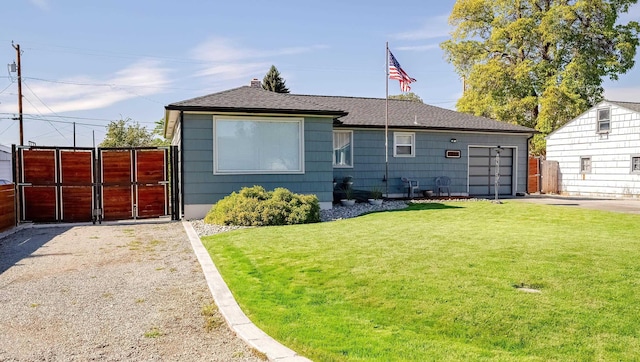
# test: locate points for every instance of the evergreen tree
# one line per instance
(538, 63)
(274, 82)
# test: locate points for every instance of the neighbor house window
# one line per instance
(342, 148)
(635, 164)
(404, 144)
(604, 120)
(258, 145)
(585, 164)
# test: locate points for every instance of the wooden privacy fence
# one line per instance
(550, 171)
(7, 207)
(86, 184)
(533, 180)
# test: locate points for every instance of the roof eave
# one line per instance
(532, 131)
(256, 110)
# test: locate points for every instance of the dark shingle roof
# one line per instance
(370, 112)
(253, 99)
(350, 111)
(634, 106)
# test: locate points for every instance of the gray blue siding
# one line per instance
(429, 161)
(201, 186)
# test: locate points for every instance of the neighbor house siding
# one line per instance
(429, 161)
(201, 188)
(610, 154)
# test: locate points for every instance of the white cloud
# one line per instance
(226, 59)
(41, 4)
(141, 79)
(433, 27)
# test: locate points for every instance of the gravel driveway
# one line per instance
(108, 292)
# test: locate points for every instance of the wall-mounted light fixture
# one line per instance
(453, 140)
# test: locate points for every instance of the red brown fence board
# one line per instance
(7, 207)
(533, 181)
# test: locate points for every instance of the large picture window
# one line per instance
(258, 145)
(342, 149)
(404, 144)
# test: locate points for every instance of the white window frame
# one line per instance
(584, 170)
(299, 121)
(349, 163)
(635, 158)
(396, 144)
(606, 121)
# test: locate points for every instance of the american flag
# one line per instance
(396, 72)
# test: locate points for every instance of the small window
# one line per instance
(585, 164)
(452, 154)
(404, 144)
(342, 149)
(604, 120)
(635, 164)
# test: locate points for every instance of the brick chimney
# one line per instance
(255, 83)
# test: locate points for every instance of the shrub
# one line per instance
(254, 206)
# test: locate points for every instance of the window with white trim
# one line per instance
(343, 149)
(585, 164)
(253, 145)
(404, 144)
(604, 120)
(635, 164)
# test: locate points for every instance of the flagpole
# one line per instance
(386, 123)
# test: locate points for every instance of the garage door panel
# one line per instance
(479, 190)
(482, 170)
(478, 161)
(479, 151)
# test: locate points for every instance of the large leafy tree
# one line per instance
(538, 63)
(410, 96)
(125, 133)
(272, 81)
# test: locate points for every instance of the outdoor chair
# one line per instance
(443, 183)
(411, 186)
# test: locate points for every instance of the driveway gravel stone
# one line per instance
(109, 293)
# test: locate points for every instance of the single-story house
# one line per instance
(598, 152)
(249, 136)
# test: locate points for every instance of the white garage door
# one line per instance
(482, 171)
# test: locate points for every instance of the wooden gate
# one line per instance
(550, 177)
(85, 184)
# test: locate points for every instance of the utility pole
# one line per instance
(17, 48)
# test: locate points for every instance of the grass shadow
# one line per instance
(417, 207)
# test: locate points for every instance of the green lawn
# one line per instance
(438, 282)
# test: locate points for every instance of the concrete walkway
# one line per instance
(628, 206)
(230, 310)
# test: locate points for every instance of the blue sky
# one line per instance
(90, 62)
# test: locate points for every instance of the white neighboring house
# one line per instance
(598, 153)
(6, 169)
